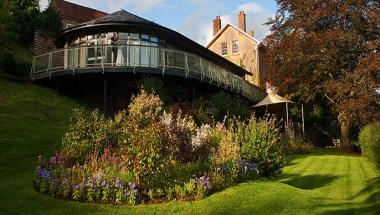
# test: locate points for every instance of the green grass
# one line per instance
(33, 119)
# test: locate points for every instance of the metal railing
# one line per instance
(139, 56)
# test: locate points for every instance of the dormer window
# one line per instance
(224, 48)
(68, 25)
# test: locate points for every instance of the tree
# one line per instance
(49, 22)
(19, 20)
(24, 19)
(328, 49)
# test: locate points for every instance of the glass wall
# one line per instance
(116, 48)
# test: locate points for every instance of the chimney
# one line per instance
(251, 33)
(217, 24)
(241, 19)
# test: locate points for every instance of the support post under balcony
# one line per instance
(104, 94)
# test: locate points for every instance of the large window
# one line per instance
(224, 48)
(235, 47)
(133, 49)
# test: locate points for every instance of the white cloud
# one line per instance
(198, 24)
(251, 7)
(200, 29)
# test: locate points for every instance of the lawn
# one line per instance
(33, 119)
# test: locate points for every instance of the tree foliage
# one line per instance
(19, 19)
(328, 49)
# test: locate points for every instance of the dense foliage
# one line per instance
(219, 105)
(208, 108)
(146, 154)
(369, 139)
(19, 20)
(296, 145)
(327, 52)
(261, 145)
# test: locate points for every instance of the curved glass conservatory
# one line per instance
(123, 42)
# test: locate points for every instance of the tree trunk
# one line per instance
(345, 136)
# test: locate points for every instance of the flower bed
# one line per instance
(149, 155)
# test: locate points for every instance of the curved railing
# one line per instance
(140, 58)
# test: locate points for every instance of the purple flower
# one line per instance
(204, 181)
(76, 187)
(90, 183)
(133, 188)
(43, 173)
(246, 166)
(118, 182)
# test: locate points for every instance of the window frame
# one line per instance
(235, 47)
(224, 48)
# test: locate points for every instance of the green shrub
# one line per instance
(229, 105)
(17, 62)
(89, 132)
(217, 179)
(148, 153)
(227, 150)
(190, 187)
(262, 147)
(295, 146)
(217, 106)
(144, 109)
(151, 84)
(204, 111)
(369, 139)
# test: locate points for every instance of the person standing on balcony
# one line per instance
(114, 42)
(120, 56)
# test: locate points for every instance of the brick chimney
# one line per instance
(217, 24)
(241, 19)
(251, 33)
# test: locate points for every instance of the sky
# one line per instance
(193, 18)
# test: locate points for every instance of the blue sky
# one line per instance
(192, 18)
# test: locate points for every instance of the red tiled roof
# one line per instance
(76, 12)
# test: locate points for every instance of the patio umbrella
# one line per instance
(273, 98)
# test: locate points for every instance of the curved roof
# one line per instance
(119, 16)
(122, 19)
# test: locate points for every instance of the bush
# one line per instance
(151, 84)
(227, 150)
(180, 128)
(369, 139)
(261, 146)
(89, 132)
(16, 63)
(146, 154)
(144, 109)
(296, 146)
(201, 142)
(229, 105)
(218, 106)
(204, 111)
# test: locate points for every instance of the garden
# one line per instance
(323, 181)
(147, 154)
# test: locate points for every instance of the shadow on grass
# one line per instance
(308, 182)
(370, 206)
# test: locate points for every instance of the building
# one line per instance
(240, 47)
(71, 14)
(104, 58)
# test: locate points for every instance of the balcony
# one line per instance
(140, 59)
